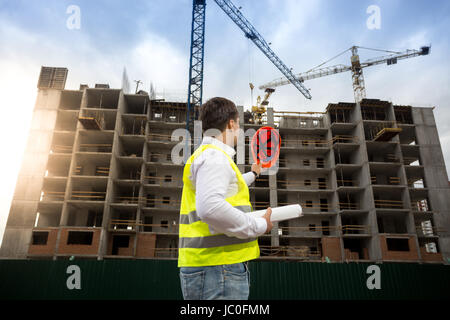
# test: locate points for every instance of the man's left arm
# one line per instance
(250, 177)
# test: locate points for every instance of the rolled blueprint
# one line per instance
(291, 211)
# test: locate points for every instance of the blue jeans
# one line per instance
(224, 282)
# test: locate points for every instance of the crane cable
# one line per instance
(340, 54)
(250, 69)
(382, 50)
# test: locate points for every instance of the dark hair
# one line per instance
(216, 113)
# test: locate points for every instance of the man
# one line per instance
(217, 235)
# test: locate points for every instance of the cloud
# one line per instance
(156, 59)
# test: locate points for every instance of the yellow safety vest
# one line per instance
(197, 246)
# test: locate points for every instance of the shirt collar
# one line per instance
(228, 150)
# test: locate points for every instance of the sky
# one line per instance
(151, 38)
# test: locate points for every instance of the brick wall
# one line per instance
(412, 254)
(426, 256)
(47, 249)
(146, 244)
(331, 248)
(65, 248)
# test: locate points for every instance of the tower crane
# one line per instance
(195, 87)
(356, 67)
(259, 109)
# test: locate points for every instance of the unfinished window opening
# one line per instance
(127, 194)
(166, 200)
(320, 143)
(340, 112)
(70, 100)
(164, 224)
(94, 219)
(154, 157)
(40, 238)
(306, 163)
(101, 171)
(135, 104)
(80, 237)
(395, 244)
(151, 176)
(133, 125)
(320, 163)
(322, 183)
(62, 143)
(262, 200)
(312, 227)
(431, 247)
(355, 249)
(403, 114)
(66, 121)
(57, 167)
(102, 99)
(308, 203)
(131, 148)
(168, 178)
(263, 182)
(427, 228)
(148, 222)
(307, 182)
(323, 205)
(421, 205)
(325, 227)
(150, 200)
(391, 224)
(120, 241)
(377, 110)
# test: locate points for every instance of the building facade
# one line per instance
(98, 181)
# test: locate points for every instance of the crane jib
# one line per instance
(195, 87)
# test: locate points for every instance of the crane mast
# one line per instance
(195, 87)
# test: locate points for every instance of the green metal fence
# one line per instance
(158, 279)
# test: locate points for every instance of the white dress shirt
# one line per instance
(215, 180)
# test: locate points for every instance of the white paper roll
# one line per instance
(291, 211)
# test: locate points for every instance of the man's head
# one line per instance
(221, 114)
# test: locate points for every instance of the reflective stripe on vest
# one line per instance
(197, 246)
(192, 216)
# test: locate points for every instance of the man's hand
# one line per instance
(256, 168)
(267, 217)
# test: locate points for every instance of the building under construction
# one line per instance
(97, 180)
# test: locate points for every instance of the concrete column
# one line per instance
(367, 200)
(435, 175)
(273, 193)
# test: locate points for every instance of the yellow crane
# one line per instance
(259, 110)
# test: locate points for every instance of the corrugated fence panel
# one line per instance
(158, 279)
